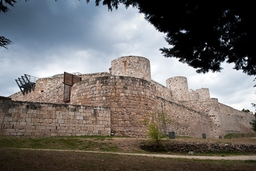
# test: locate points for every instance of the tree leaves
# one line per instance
(4, 42)
(4, 8)
(203, 34)
(3, 5)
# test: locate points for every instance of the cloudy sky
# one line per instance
(52, 37)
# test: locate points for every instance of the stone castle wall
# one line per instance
(233, 120)
(92, 91)
(224, 119)
(47, 119)
(48, 90)
(185, 121)
(162, 91)
(132, 102)
(131, 97)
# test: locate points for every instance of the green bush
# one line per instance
(153, 132)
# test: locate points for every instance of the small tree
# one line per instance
(157, 125)
(153, 132)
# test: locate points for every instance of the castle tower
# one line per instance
(179, 88)
(203, 94)
(132, 66)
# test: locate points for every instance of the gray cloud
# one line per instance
(52, 37)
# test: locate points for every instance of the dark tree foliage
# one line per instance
(4, 5)
(202, 34)
(4, 8)
(4, 41)
(246, 110)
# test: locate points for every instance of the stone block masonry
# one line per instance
(47, 90)
(179, 87)
(118, 103)
(223, 119)
(132, 66)
(45, 119)
(185, 121)
(129, 99)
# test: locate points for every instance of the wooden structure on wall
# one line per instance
(69, 81)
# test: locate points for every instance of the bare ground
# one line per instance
(41, 160)
(70, 160)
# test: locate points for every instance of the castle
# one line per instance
(116, 103)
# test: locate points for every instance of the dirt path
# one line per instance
(240, 157)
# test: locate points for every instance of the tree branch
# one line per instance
(4, 42)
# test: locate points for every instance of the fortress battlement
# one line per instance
(126, 95)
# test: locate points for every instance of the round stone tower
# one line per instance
(203, 94)
(132, 66)
(179, 88)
